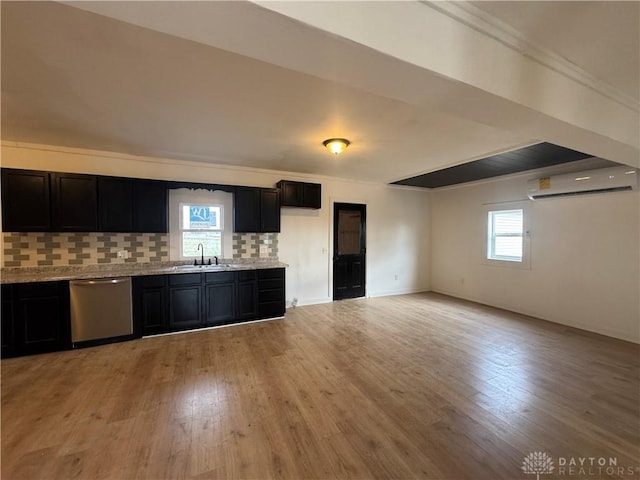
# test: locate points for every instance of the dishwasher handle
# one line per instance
(106, 281)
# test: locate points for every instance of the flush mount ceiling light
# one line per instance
(336, 145)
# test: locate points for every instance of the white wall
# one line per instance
(397, 218)
(585, 256)
(397, 241)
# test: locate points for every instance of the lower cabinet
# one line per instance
(8, 322)
(168, 303)
(150, 304)
(35, 318)
(185, 301)
(271, 293)
(247, 297)
(220, 298)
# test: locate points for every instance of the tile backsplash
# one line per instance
(247, 245)
(61, 249)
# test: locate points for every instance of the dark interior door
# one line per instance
(349, 250)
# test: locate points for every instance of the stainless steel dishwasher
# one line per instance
(100, 309)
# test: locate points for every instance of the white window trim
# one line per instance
(220, 221)
(199, 197)
(526, 239)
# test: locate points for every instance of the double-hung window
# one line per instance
(201, 224)
(505, 235)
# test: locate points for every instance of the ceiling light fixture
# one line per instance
(336, 145)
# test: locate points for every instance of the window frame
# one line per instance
(189, 196)
(182, 229)
(525, 262)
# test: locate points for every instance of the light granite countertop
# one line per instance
(47, 274)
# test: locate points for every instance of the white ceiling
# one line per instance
(573, 33)
(235, 83)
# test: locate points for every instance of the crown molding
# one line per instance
(180, 163)
(471, 16)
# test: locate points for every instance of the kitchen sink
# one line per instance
(197, 268)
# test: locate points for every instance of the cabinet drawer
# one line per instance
(271, 309)
(39, 289)
(220, 277)
(271, 295)
(246, 275)
(151, 280)
(269, 273)
(185, 279)
(271, 284)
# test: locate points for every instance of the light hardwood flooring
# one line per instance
(413, 386)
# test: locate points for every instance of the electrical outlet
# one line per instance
(396, 276)
(264, 250)
(123, 254)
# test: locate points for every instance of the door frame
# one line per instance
(333, 242)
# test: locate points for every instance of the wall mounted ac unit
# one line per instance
(615, 179)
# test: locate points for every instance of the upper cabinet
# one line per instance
(115, 204)
(150, 210)
(256, 210)
(130, 205)
(26, 201)
(300, 194)
(269, 210)
(75, 202)
(64, 202)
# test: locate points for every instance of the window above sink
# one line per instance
(200, 217)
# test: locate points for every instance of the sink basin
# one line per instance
(196, 267)
(204, 267)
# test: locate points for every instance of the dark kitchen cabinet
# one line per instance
(269, 210)
(35, 318)
(185, 301)
(26, 201)
(131, 205)
(247, 296)
(150, 304)
(150, 206)
(35, 201)
(300, 194)
(115, 204)
(166, 303)
(246, 210)
(220, 298)
(271, 292)
(75, 202)
(8, 324)
(256, 210)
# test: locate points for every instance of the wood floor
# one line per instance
(414, 386)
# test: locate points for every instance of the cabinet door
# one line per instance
(26, 202)
(312, 195)
(150, 305)
(8, 324)
(150, 207)
(75, 203)
(220, 303)
(247, 300)
(269, 210)
(246, 210)
(115, 204)
(42, 317)
(185, 307)
(291, 193)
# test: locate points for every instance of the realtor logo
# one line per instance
(537, 463)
